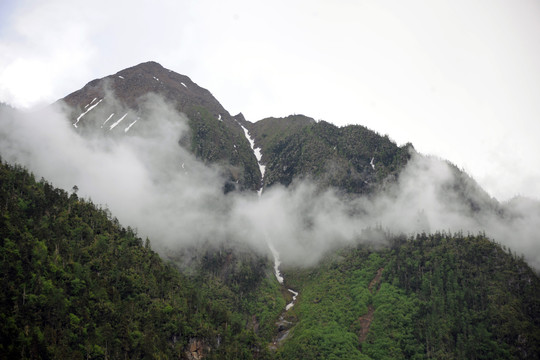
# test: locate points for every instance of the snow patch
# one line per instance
(277, 262)
(109, 118)
(275, 254)
(219, 117)
(155, 78)
(121, 77)
(372, 163)
(258, 156)
(291, 304)
(86, 112)
(129, 126)
(184, 85)
(118, 122)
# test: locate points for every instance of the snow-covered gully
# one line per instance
(275, 253)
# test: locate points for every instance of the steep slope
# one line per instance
(115, 106)
(356, 160)
(75, 284)
(352, 158)
(130, 84)
(72, 271)
(429, 297)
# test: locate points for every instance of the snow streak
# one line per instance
(118, 122)
(277, 261)
(84, 113)
(109, 118)
(129, 126)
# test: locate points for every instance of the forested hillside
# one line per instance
(76, 284)
(352, 158)
(435, 296)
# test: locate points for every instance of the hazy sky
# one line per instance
(458, 79)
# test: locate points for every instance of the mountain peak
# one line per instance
(149, 68)
(149, 65)
(113, 105)
(129, 85)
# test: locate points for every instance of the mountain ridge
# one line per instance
(131, 83)
(353, 158)
(215, 134)
(79, 285)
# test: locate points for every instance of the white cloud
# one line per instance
(454, 78)
(152, 184)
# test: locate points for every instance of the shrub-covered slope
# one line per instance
(432, 296)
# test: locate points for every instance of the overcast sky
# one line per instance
(458, 79)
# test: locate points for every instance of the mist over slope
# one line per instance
(115, 106)
(160, 185)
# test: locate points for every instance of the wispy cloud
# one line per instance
(151, 183)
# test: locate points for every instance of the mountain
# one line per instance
(427, 297)
(352, 158)
(113, 106)
(129, 85)
(78, 284)
(358, 161)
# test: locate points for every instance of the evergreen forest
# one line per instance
(76, 284)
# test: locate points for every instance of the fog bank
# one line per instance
(151, 183)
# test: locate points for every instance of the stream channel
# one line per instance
(275, 253)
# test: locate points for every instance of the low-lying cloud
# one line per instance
(151, 183)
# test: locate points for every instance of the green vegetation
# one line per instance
(342, 157)
(215, 141)
(245, 282)
(78, 285)
(332, 297)
(336, 297)
(439, 296)
(476, 300)
(75, 284)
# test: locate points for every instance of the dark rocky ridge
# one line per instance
(130, 84)
(216, 136)
(352, 158)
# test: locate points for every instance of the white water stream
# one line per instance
(275, 253)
